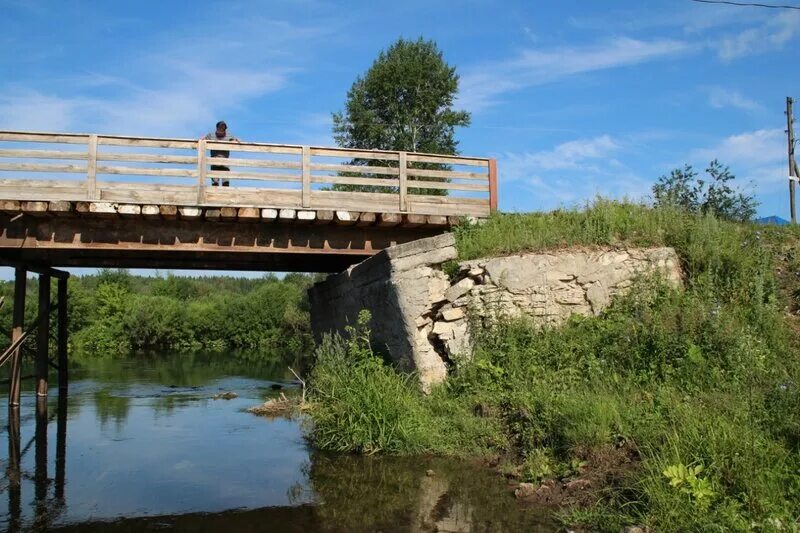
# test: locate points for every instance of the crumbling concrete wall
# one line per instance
(422, 320)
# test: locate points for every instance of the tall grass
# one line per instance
(702, 378)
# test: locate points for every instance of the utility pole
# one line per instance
(792, 162)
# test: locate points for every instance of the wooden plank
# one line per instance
(387, 171)
(155, 187)
(403, 191)
(414, 184)
(60, 208)
(346, 218)
(453, 206)
(11, 207)
(324, 216)
(437, 220)
(493, 185)
(106, 140)
(255, 147)
(103, 209)
(366, 219)
(305, 216)
(189, 213)
(61, 138)
(306, 197)
(213, 214)
(357, 154)
(140, 171)
(129, 210)
(249, 214)
(228, 213)
(448, 160)
(255, 163)
(451, 174)
(151, 211)
(412, 221)
(269, 215)
(168, 212)
(148, 158)
(82, 208)
(45, 154)
(91, 169)
(285, 215)
(346, 180)
(388, 220)
(42, 167)
(147, 196)
(255, 176)
(38, 185)
(252, 197)
(34, 208)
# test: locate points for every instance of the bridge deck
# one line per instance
(150, 202)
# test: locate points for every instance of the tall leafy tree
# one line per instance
(685, 189)
(403, 102)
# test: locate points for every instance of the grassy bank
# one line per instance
(115, 313)
(675, 409)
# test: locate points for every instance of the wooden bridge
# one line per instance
(120, 201)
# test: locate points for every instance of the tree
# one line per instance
(403, 102)
(683, 189)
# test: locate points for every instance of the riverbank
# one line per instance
(675, 409)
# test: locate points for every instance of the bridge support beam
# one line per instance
(63, 336)
(43, 337)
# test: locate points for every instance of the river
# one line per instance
(144, 445)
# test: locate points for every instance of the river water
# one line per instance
(141, 444)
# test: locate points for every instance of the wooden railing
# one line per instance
(99, 168)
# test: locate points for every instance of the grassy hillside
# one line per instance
(675, 409)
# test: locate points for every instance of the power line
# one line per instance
(747, 4)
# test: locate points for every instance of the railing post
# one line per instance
(17, 325)
(201, 171)
(493, 185)
(43, 336)
(403, 168)
(306, 195)
(91, 169)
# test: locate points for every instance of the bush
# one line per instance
(699, 382)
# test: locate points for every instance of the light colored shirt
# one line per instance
(213, 137)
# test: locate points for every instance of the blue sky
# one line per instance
(574, 98)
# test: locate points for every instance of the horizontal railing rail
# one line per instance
(147, 170)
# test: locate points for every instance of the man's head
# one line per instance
(222, 128)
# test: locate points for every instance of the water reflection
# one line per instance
(149, 448)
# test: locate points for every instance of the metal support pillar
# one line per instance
(17, 326)
(43, 337)
(62, 335)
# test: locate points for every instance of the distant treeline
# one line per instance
(115, 313)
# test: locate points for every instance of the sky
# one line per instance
(574, 98)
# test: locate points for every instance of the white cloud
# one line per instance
(720, 97)
(176, 88)
(758, 157)
(483, 84)
(572, 172)
(32, 111)
(747, 149)
(770, 35)
(567, 155)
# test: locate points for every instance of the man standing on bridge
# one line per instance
(221, 134)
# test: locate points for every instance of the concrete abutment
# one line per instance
(421, 318)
